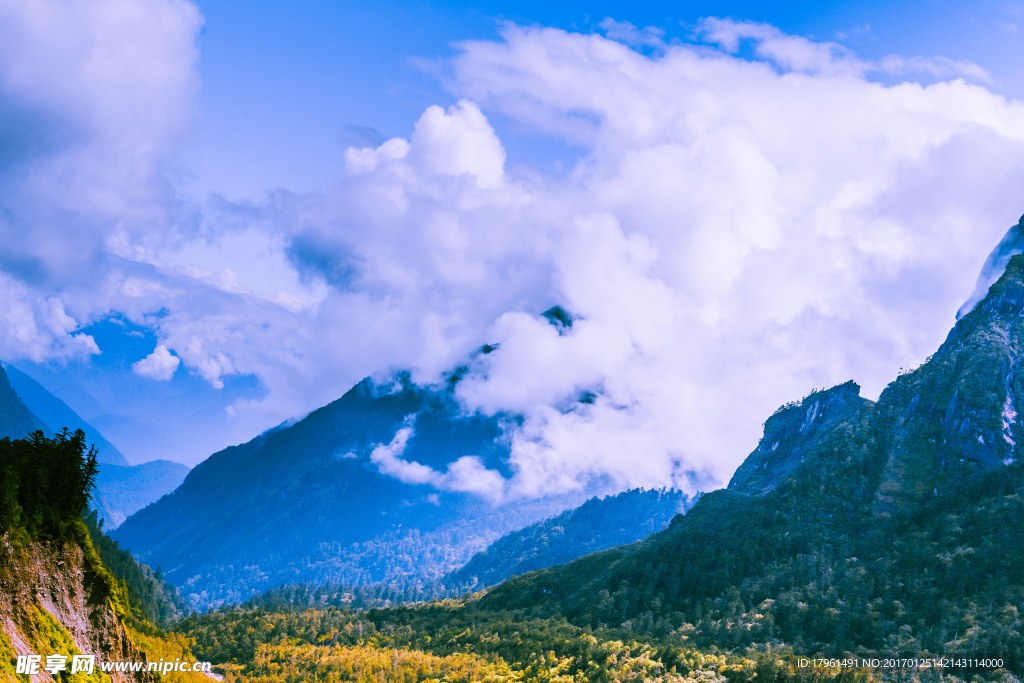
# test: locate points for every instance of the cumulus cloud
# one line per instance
(159, 365)
(92, 93)
(737, 231)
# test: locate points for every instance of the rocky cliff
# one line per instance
(56, 597)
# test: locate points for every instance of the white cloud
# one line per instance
(736, 232)
(467, 473)
(388, 459)
(159, 365)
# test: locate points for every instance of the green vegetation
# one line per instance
(465, 643)
(150, 598)
(598, 524)
(855, 528)
(45, 482)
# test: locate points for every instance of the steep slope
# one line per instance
(58, 599)
(121, 489)
(340, 496)
(56, 415)
(853, 527)
(57, 596)
(598, 524)
(16, 420)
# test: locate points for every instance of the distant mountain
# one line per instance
(121, 489)
(598, 524)
(886, 529)
(361, 491)
(55, 415)
(16, 420)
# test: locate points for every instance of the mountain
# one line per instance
(598, 524)
(16, 420)
(56, 415)
(855, 527)
(995, 265)
(382, 485)
(121, 489)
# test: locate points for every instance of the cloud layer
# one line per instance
(737, 231)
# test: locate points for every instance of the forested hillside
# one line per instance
(855, 530)
(855, 527)
(598, 524)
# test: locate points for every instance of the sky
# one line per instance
(216, 217)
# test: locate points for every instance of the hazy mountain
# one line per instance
(858, 527)
(122, 491)
(340, 496)
(55, 415)
(598, 524)
(16, 420)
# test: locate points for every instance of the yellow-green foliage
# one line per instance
(116, 590)
(295, 663)
(404, 643)
(278, 663)
(169, 647)
(7, 656)
(47, 637)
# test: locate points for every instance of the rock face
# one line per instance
(954, 417)
(54, 599)
(793, 432)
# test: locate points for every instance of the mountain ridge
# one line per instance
(311, 501)
(894, 519)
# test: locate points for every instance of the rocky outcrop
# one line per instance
(792, 433)
(57, 598)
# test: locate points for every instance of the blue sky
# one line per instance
(218, 217)
(287, 87)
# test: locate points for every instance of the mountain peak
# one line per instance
(1005, 296)
(791, 433)
(995, 265)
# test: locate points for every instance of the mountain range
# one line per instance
(860, 541)
(316, 502)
